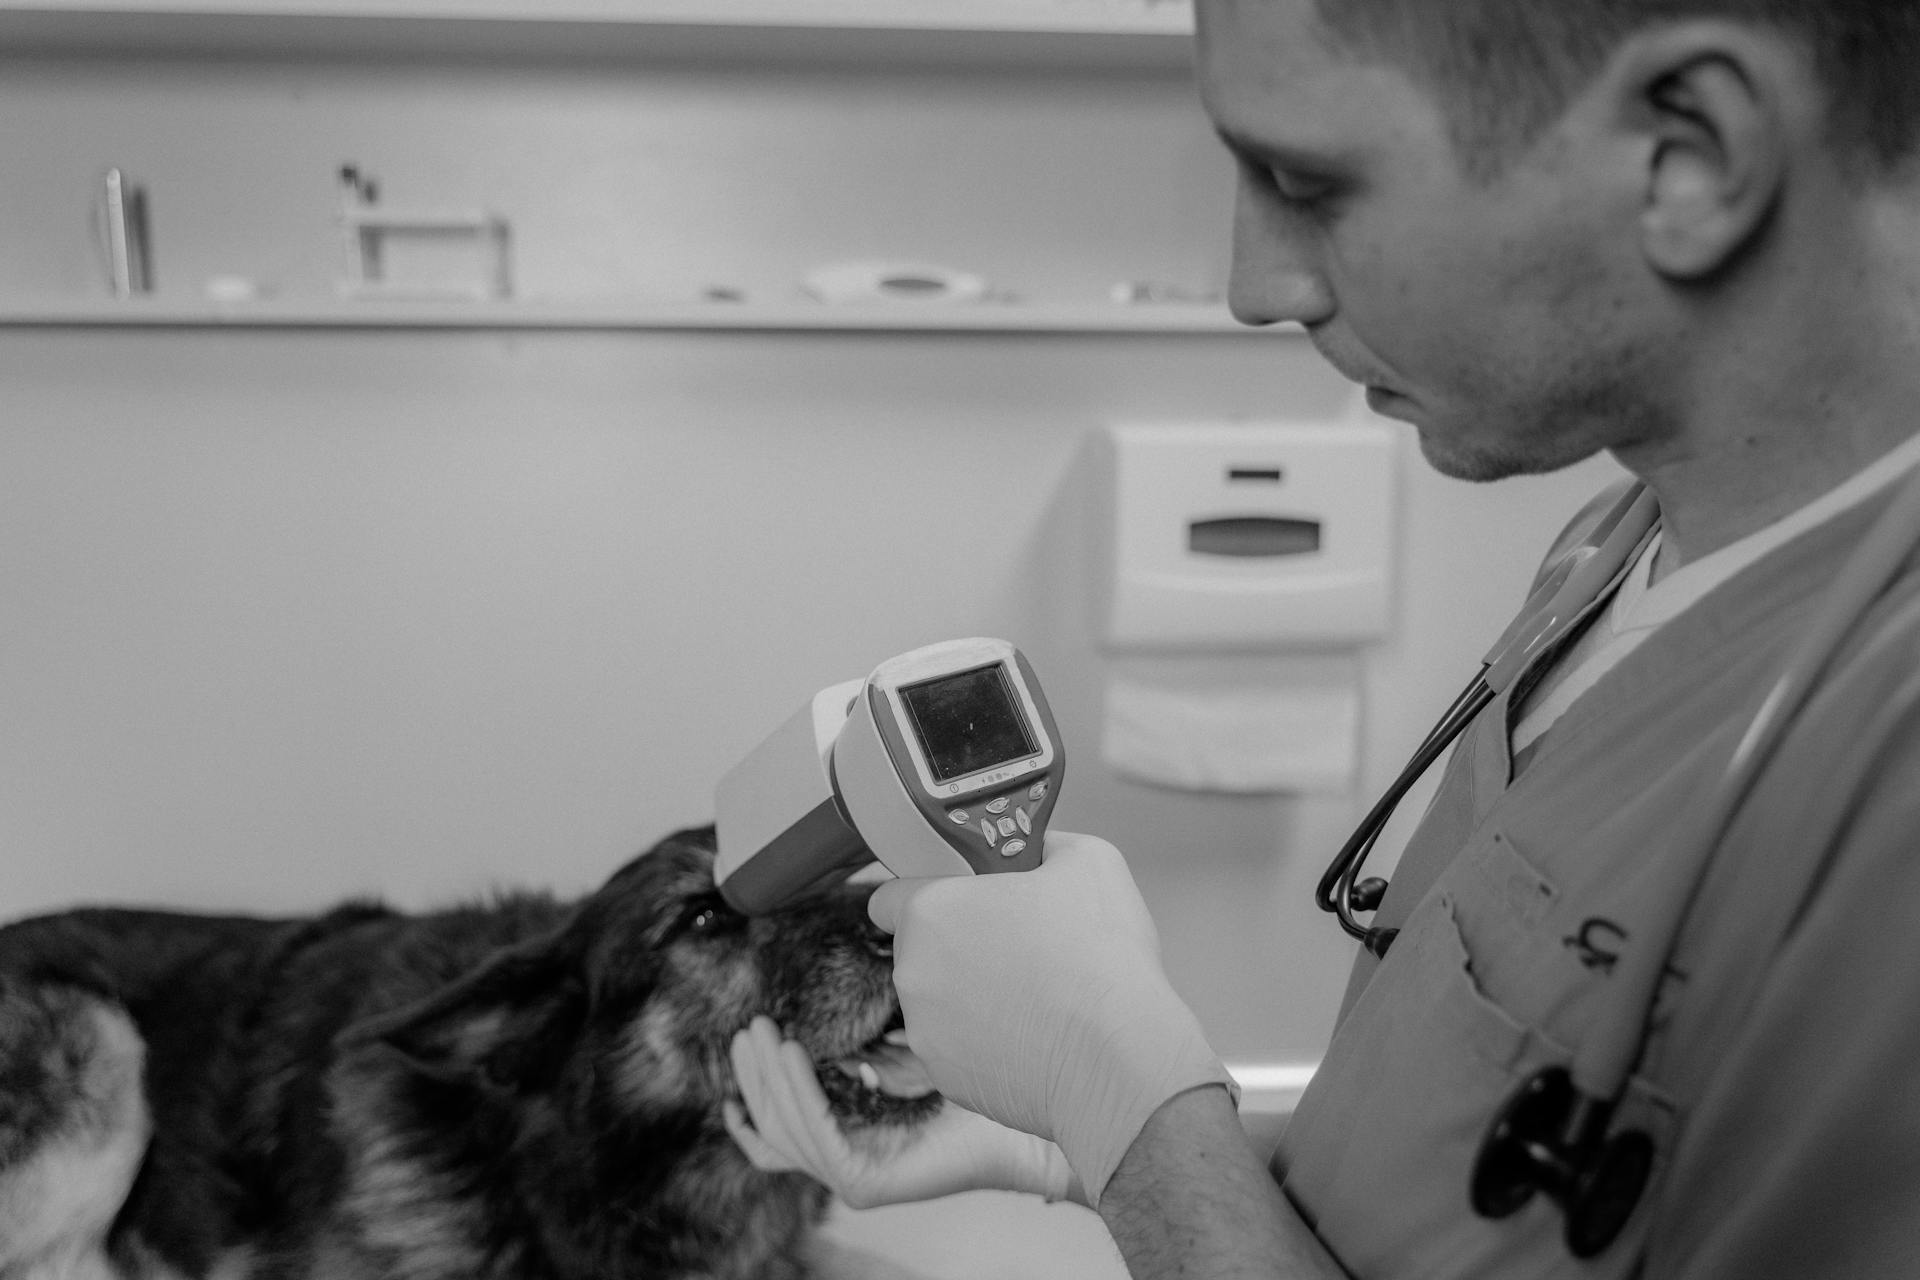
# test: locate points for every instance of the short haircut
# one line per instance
(1505, 70)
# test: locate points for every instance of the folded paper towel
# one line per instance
(1230, 722)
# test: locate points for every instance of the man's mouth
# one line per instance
(1388, 404)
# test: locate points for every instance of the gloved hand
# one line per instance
(791, 1127)
(1038, 999)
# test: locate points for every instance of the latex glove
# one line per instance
(1038, 999)
(788, 1125)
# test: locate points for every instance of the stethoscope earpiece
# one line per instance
(1551, 1138)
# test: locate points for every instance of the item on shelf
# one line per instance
(1147, 293)
(234, 289)
(419, 254)
(121, 220)
(893, 282)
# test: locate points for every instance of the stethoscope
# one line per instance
(1551, 1136)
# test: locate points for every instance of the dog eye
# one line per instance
(709, 916)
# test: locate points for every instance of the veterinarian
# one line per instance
(1686, 233)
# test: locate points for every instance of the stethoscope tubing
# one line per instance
(1606, 1058)
(1335, 891)
(1573, 585)
(1553, 1135)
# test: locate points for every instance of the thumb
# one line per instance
(1065, 846)
(889, 901)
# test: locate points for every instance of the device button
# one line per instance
(1008, 827)
(987, 830)
(1038, 791)
(1013, 848)
(1026, 823)
(998, 805)
(960, 816)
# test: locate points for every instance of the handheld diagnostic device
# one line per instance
(945, 761)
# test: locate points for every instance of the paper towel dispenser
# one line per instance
(1253, 536)
(1244, 535)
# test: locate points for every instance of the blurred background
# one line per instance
(451, 582)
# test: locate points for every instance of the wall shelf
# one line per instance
(532, 315)
(1144, 17)
(1139, 32)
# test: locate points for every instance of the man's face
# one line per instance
(1506, 319)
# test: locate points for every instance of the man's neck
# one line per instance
(1711, 502)
(1826, 384)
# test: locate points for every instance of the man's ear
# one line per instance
(506, 1027)
(1716, 104)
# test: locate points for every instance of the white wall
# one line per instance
(286, 616)
(659, 177)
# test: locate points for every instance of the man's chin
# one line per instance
(1452, 456)
(1477, 466)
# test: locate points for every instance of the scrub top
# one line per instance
(1780, 1077)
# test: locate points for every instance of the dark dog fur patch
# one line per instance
(518, 1090)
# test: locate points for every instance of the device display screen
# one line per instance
(968, 722)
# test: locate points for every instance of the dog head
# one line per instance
(636, 996)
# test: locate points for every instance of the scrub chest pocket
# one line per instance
(1380, 1156)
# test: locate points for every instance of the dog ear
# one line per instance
(506, 1027)
(59, 951)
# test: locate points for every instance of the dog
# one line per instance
(520, 1090)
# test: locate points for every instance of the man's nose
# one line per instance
(1275, 273)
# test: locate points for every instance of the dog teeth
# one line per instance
(898, 1036)
(868, 1076)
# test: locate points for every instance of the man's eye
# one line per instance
(1303, 193)
(1298, 189)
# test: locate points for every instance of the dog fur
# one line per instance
(521, 1090)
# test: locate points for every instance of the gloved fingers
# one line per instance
(756, 1072)
(810, 1119)
(752, 1125)
(889, 901)
(1100, 877)
(788, 1108)
(1075, 844)
(762, 1154)
(787, 1123)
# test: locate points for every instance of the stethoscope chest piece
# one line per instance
(1551, 1138)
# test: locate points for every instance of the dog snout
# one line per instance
(876, 940)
